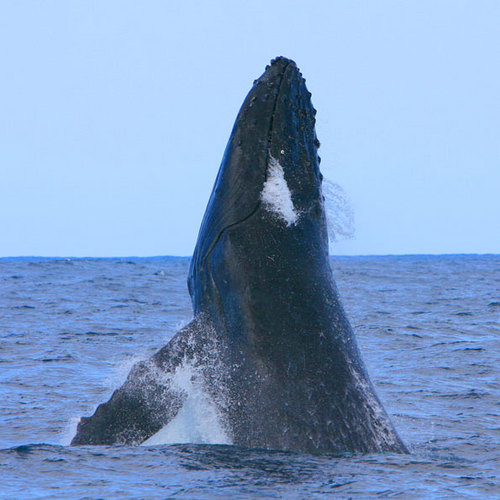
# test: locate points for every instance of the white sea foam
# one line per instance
(199, 420)
(276, 194)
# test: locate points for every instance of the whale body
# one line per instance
(270, 342)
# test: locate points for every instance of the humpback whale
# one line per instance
(270, 342)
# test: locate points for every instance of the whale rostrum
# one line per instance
(270, 342)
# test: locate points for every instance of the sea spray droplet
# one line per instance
(339, 212)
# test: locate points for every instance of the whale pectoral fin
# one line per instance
(147, 400)
(135, 411)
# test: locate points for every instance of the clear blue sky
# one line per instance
(114, 116)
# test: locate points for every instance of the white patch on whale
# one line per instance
(276, 195)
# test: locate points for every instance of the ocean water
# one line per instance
(70, 329)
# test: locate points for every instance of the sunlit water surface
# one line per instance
(70, 330)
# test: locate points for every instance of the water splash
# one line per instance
(69, 431)
(199, 420)
(339, 212)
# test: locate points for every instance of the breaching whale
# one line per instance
(269, 343)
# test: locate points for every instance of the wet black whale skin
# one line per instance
(270, 340)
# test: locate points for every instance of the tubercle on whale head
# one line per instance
(274, 134)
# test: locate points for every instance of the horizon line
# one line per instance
(89, 257)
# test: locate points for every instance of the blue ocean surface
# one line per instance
(70, 329)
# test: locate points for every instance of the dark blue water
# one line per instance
(428, 328)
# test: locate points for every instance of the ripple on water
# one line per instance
(71, 330)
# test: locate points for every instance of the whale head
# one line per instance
(267, 202)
